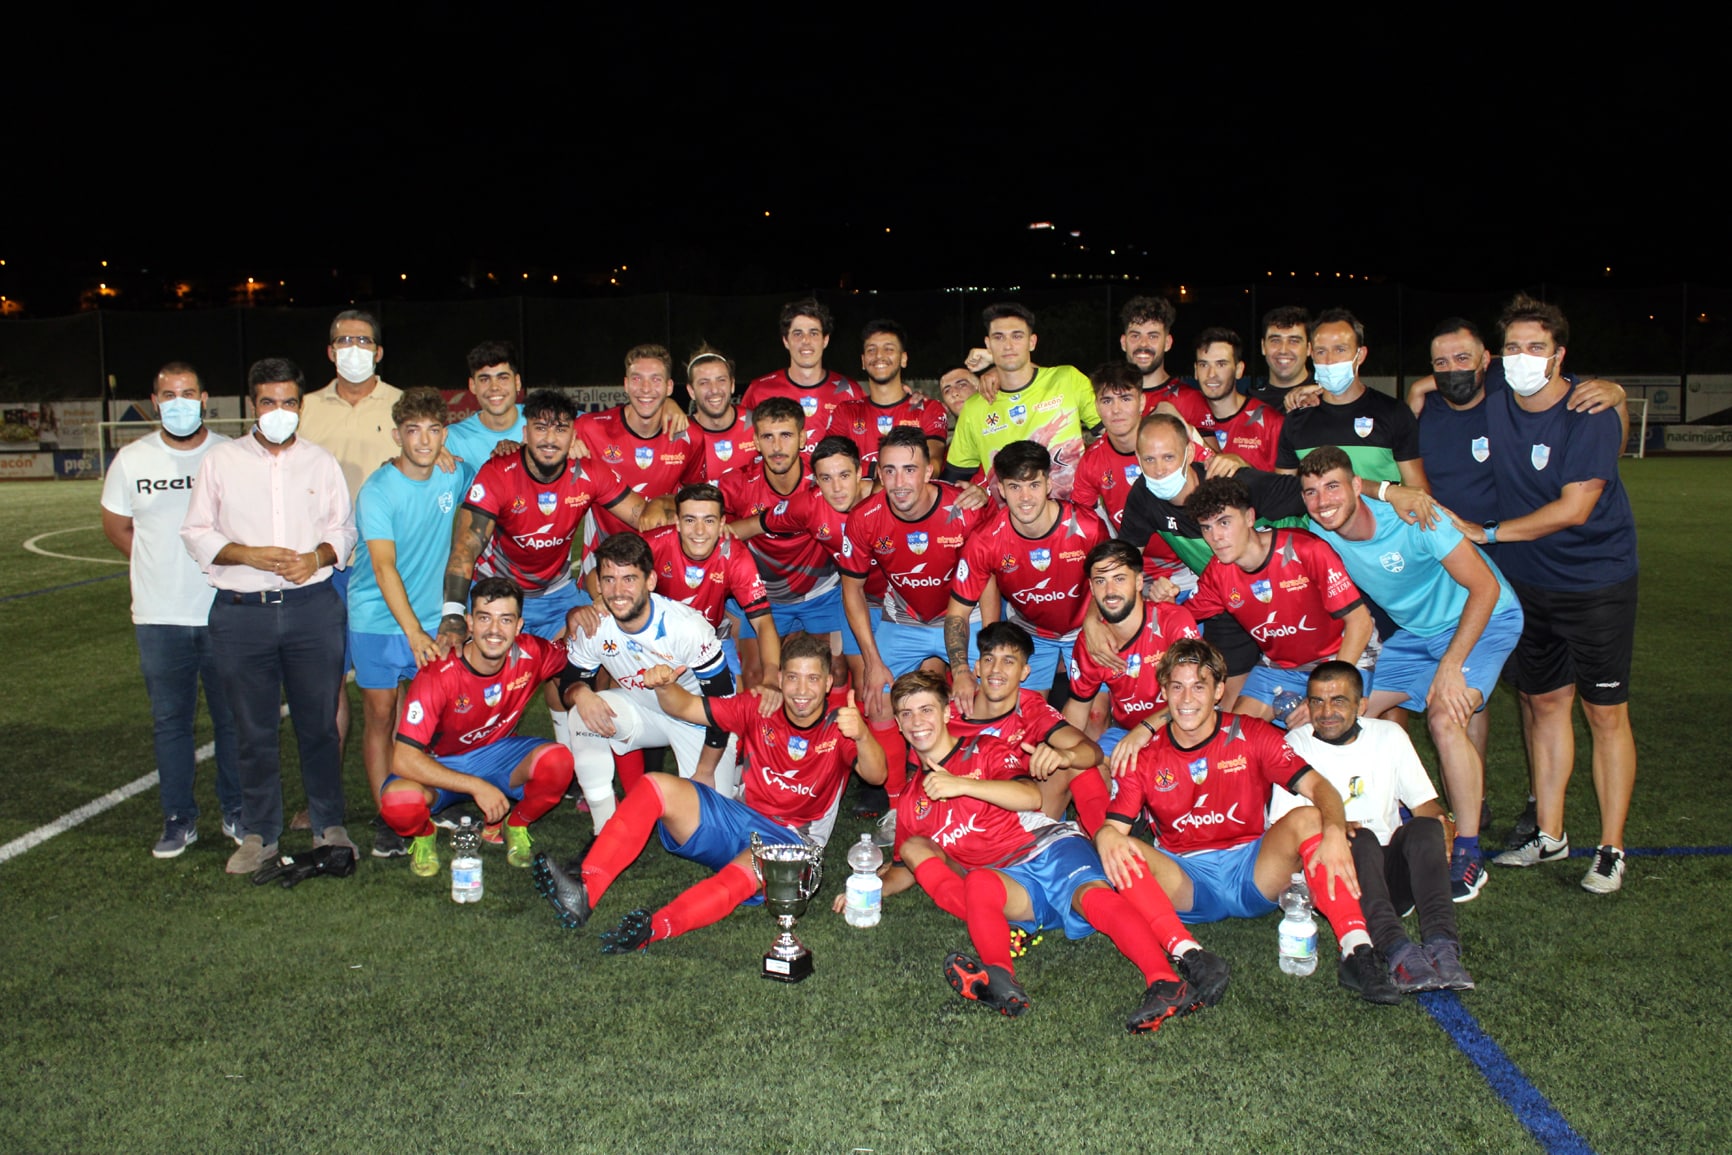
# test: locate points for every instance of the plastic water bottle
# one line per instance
(1286, 701)
(1298, 929)
(865, 902)
(466, 862)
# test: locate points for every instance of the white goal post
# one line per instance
(105, 439)
(1640, 429)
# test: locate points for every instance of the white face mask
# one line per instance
(355, 364)
(1526, 373)
(1335, 378)
(181, 416)
(278, 425)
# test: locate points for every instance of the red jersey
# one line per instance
(970, 832)
(1104, 479)
(452, 709)
(705, 586)
(1031, 720)
(1166, 391)
(1136, 693)
(806, 511)
(652, 466)
(1042, 578)
(918, 557)
(865, 422)
(795, 565)
(791, 774)
(534, 521)
(1252, 433)
(730, 448)
(818, 401)
(1211, 796)
(1291, 605)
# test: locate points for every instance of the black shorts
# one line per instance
(1585, 637)
(1224, 632)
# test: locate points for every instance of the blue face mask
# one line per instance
(1168, 487)
(1335, 378)
(181, 416)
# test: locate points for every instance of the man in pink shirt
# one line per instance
(269, 521)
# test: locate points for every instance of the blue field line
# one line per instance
(68, 585)
(1531, 1109)
(1653, 851)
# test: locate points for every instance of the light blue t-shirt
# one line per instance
(474, 442)
(417, 515)
(1401, 569)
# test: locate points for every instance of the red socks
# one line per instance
(895, 757)
(943, 884)
(1146, 897)
(622, 839)
(629, 767)
(1089, 793)
(1109, 913)
(988, 928)
(1342, 911)
(405, 811)
(709, 901)
(549, 776)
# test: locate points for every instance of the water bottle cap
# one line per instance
(1299, 878)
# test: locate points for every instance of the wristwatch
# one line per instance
(1490, 528)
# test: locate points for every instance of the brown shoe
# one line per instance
(301, 821)
(252, 854)
(336, 836)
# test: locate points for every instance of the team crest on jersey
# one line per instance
(1199, 770)
(1221, 438)
(917, 542)
(491, 695)
(883, 545)
(1133, 665)
(1018, 413)
(1541, 455)
(547, 501)
(885, 423)
(1040, 559)
(612, 455)
(859, 427)
(446, 501)
(1481, 448)
(610, 648)
(809, 404)
(796, 747)
(461, 704)
(1392, 561)
(518, 505)
(922, 806)
(1165, 780)
(724, 449)
(1132, 472)
(694, 576)
(1362, 426)
(645, 456)
(823, 532)
(768, 732)
(1261, 591)
(1107, 480)
(1235, 599)
(1007, 564)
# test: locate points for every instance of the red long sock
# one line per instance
(988, 928)
(1342, 911)
(1089, 792)
(549, 776)
(629, 767)
(889, 738)
(944, 885)
(622, 839)
(709, 901)
(1148, 899)
(405, 811)
(1109, 913)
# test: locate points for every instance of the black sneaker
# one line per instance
(1527, 824)
(1366, 974)
(870, 801)
(1444, 954)
(992, 987)
(1206, 974)
(632, 934)
(1412, 970)
(1164, 999)
(387, 843)
(563, 888)
(1466, 875)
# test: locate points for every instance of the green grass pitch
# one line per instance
(163, 1005)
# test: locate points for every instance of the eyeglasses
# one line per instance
(347, 342)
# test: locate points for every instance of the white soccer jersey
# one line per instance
(675, 636)
(1374, 774)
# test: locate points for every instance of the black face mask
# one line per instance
(1457, 386)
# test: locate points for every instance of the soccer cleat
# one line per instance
(1542, 847)
(1607, 873)
(870, 801)
(1206, 973)
(632, 934)
(424, 855)
(1444, 955)
(1164, 999)
(232, 826)
(1527, 824)
(1466, 875)
(177, 834)
(885, 832)
(1412, 970)
(992, 987)
(517, 848)
(253, 853)
(1366, 974)
(387, 843)
(563, 889)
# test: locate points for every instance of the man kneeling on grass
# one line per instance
(799, 747)
(455, 739)
(969, 826)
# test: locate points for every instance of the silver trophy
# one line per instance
(790, 873)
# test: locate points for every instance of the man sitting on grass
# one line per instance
(455, 740)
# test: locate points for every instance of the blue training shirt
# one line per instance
(474, 442)
(417, 516)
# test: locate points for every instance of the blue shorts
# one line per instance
(545, 616)
(820, 615)
(1408, 663)
(725, 829)
(1050, 656)
(492, 763)
(1051, 879)
(381, 660)
(1223, 884)
(851, 644)
(1110, 738)
(903, 647)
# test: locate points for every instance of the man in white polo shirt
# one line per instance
(144, 498)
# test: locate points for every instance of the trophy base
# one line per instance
(787, 970)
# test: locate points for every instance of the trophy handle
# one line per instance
(757, 848)
(815, 859)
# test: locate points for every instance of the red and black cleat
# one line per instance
(992, 987)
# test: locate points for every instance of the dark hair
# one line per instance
(804, 645)
(626, 549)
(885, 325)
(1003, 309)
(836, 445)
(492, 589)
(1548, 316)
(361, 315)
(421, 401)
(1337, 317)
(699, 491)
(177, 369)
(1216, 494)
(1191, 652)
(1003, 635)
(706, 352)
(778, 409)
(1118, 376)
(651, 353)
(907, 437)
(492, 353)
(1217, 335)
(918, 682)
(1142, 310)
(1287, 317)
(808, 307)
(1335, 670)
(1456, 325)
(1022, 461)
(1111, 552)
(545, 403)
(1325, 459)
(270, 370)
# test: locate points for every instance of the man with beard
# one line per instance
(889, 403)
(1239, 425)
(806, 329)
(727, 429)
(1146, 338)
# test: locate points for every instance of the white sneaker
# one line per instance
(1542, 847)
(1607, 873)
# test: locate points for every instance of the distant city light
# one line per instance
(1041, 225)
